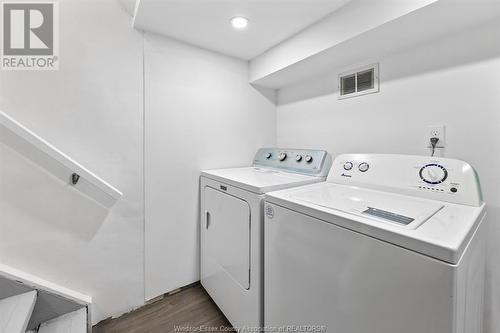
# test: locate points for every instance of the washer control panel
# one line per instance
(304, 161)
(429, 177)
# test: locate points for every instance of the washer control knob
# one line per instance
(363, 167)
(433, 173)
(282, 156)
(308, 158)
(348, 165)
(268, 155)
(298, 158)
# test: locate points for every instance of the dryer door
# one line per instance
(227, 236)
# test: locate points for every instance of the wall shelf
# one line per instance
(42, 153)
(439, 19)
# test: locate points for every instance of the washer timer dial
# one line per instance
(433, 173)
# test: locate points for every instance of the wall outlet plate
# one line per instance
(436, 131)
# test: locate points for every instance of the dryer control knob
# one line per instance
(363, 167)
(282, 156)
(348, 165)
(268, 155)
(308, 158)
(298, 158)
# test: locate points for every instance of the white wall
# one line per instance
(453, 81)
(354, 18)
(91, 109)
(201, 113)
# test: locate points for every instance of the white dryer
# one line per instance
(388, 244)
(232, 217)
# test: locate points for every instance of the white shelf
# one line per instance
(439, 19)
(42, 153)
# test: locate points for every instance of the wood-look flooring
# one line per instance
(189, 310)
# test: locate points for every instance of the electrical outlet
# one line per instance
(437, 131)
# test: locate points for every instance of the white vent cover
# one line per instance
(360, 81)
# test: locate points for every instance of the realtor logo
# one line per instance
(30, 32)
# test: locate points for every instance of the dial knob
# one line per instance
(348, 165)
(282, 156)
(433, 173)
(298, 158)
(268, 155)
(308, 158)
(363, 167)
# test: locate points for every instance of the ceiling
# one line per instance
(205, 23)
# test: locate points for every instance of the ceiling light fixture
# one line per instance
(239, 22)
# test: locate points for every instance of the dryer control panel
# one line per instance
(303, 161)
(428, 177)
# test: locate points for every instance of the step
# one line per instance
(52, 300)
(73, 322)
(15, 312)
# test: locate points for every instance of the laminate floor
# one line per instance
(189, 310)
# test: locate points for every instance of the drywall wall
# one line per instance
(200, 113)
(354, 18)
(353, 38)
(453, 81)
(91, 109)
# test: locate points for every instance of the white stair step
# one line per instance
(73, 322)
(15, 312)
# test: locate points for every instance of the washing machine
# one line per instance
(232, 226)
(388, 244)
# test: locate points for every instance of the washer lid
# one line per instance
(260, 180)
(405, 212)
(440, 230)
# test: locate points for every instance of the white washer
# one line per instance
(232, 217)
(388, 244)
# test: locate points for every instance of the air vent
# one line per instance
(348, 84)
(361, 81)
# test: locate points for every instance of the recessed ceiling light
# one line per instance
(239, 22)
